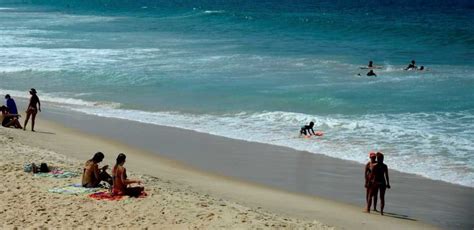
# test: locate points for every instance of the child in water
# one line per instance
(307, 129)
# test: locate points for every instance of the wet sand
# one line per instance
(319, 187)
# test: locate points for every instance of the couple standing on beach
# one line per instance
(10, 112)
(376, 180)
(92, 176)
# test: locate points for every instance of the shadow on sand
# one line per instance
(44, 132)
(398, 216)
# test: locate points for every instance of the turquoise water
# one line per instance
(258, 71)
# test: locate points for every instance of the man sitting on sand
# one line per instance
(121, 182)
(380, 182)
(367, 174)
(92, 175)
(8, 119)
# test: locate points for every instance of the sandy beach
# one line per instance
(26, 202)
(179, 195)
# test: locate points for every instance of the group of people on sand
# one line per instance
(376, 181)
(10, 116)
(119, 183)
(371, 67)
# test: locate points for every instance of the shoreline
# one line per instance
(80, 145)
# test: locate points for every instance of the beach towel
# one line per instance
(110, 196)
(57, 174)
(73, 189)
(105, 196)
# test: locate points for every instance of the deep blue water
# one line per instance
(204, 65)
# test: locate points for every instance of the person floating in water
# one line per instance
(371, 64)
(421, 68)
(308, 129)
(371, 73)
(411, 66)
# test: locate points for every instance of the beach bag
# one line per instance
(28, 168)
(44, 168)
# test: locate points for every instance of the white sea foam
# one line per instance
(432, 143)
(433, 151)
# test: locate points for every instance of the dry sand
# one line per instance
(26, 202)
(179, 196)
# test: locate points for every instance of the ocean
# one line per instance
(259, 70)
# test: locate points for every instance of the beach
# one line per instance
(180, 196)
(206, 99)
(26, 202)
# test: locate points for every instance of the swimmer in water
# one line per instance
(411, 66)
(371, 73)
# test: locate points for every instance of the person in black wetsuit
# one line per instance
(411, 66)
(307, 129)
(33, 107)
(371, 73)
(371, 64)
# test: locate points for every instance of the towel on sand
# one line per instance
(57, 174)
(105, 196)
(110, 196)
(73, 189)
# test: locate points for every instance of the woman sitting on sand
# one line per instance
(121, 182)
(9, 120)
(92, 175)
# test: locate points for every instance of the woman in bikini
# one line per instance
(92, 175)
(380, 182)
(121, 182)
(368, 178)
(32, 110)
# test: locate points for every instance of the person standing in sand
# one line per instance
(121, 182)
(92, 175)
(380, 182)
(32, 109)
(367, 174)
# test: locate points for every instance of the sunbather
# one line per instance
(92, 175)
(121, 182)
(9, 120)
